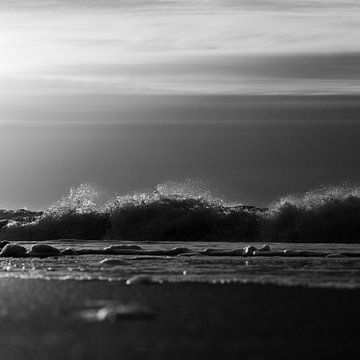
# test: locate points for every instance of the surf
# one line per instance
(189, 211)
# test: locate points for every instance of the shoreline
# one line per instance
(40, 250)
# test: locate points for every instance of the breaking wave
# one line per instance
(328, 214)
(174, 210)
(188, 211)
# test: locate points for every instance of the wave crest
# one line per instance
(327, 214)
(188, 211)
(180, 211)
(319, 197)
(82, 199)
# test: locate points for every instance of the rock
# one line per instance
(13, 250)
(113, 262)
(300, 253)
(43, 250)
(123, 247)
(192, 253)
(334, 255)
(304, 253)
(221, 252)
(140, 279)
(3, 243)
(209, 251)
(264, 248)
(249, 250)
(69, 251)
(289, 252)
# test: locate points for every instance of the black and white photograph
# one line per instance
(180, 179)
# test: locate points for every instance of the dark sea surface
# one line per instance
(250, 149)
(337, 272)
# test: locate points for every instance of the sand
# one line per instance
(41, 320)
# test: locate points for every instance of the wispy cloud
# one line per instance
(181, 46)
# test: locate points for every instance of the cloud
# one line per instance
(212, 74)
(180, 46)
(284, 66)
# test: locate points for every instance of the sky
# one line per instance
(258, 98)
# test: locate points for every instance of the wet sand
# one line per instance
(40, 320)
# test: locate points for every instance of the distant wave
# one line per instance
(188, 211)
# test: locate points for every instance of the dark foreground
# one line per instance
(39, 320)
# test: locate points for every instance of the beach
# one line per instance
(42, 319)
(180, 180)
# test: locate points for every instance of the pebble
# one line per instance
(123, 247)
(209, 251)
(264, 248)
(113, 262)
(249, 250)
(334, 255)
(192, 253)
(289, 252)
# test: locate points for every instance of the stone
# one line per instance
(289, 252)
(13, 250)
(249, 250)
(264, 248)
(113, 262)
(43, 250)
(123, 247)
(209, 251)
(334, 255)
(192, 253)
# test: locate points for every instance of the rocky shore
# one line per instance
(42, 250)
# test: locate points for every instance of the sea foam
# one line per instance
(327, 214)
(188, 211)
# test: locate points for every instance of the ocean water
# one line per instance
(339, 272)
